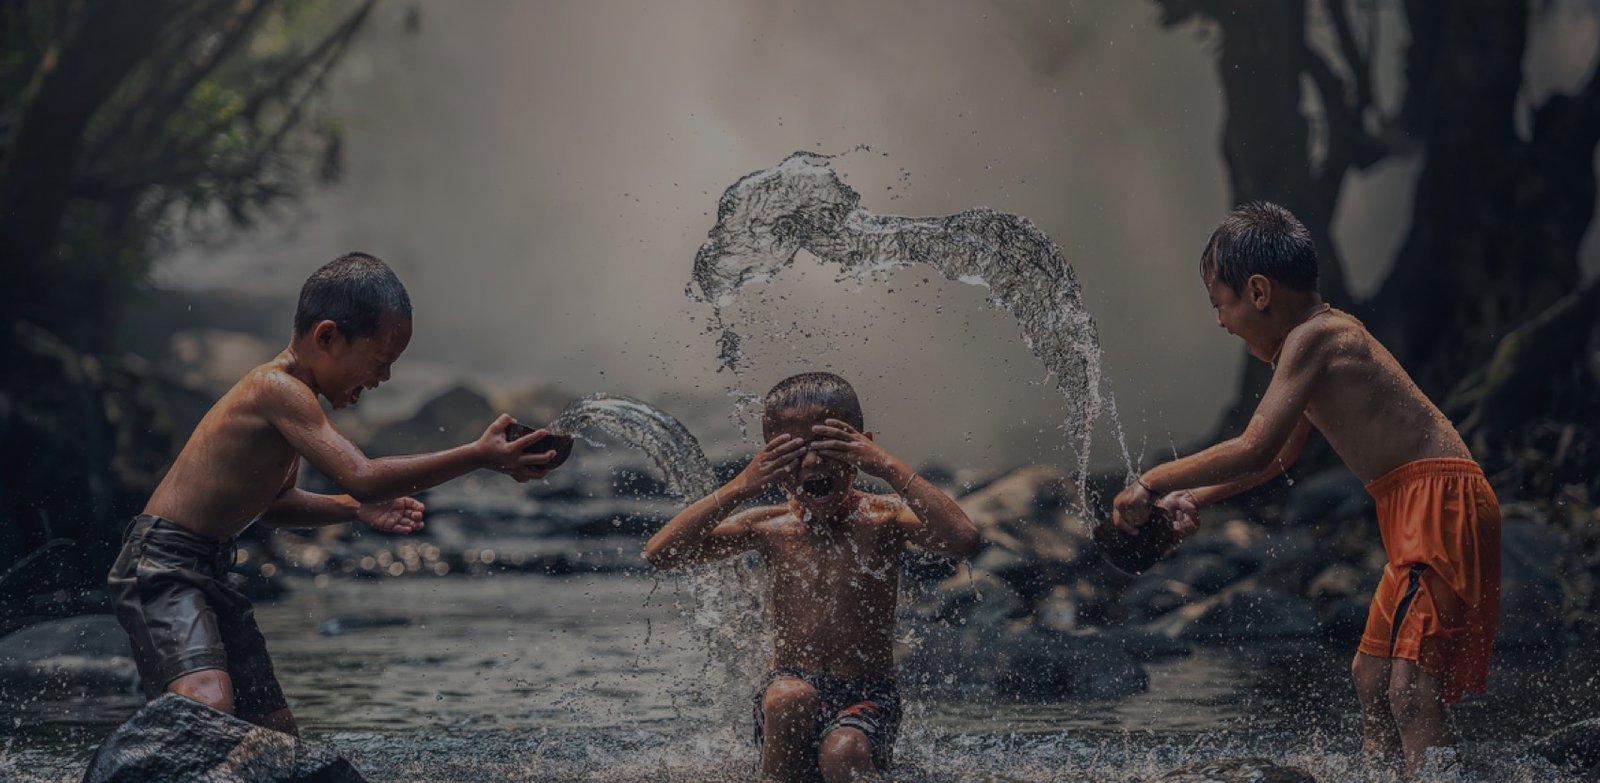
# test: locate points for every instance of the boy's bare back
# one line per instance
(1359, 397)
(236, 463)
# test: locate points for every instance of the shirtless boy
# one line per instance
(1431, 628)
(192, 633)
(830, 703)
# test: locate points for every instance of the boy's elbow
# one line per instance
(1256, 455)
(966, 543)
(365, 488)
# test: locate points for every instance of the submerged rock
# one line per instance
(1244, 611)
(1530, 592)
(84, 654)
(1577, 745)
(174, 738)
(1237, 771)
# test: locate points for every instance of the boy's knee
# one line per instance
(211, 687)
(1406, 696)
(845, 754)
(789, 698)
(1371, 675)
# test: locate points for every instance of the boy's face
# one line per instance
(351, 366)
(1241, 314)
(820, 485)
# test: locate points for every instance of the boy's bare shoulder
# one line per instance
(885, 509)
(761, 518)
(1336, 334)
(272, 386)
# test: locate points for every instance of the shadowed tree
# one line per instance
(1497, 216)
(122, 120)
(121, 123)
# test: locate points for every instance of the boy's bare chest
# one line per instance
(807, 563)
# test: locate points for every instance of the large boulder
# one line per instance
(972, 598)
(1332, 495)
(1530, 592)
(88, 654)
(1243, 611)
(1577, 745)
(455, 416)
(1236, 771)
(1034, 534)
(174, 738)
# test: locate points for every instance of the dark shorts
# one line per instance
(869, 705)
(169, 590)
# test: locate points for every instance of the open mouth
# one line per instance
(818, 487)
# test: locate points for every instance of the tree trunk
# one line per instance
(104, 41)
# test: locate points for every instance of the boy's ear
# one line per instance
(1259, 289)
(866, 434)
(323, 332)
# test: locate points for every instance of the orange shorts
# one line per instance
(1439, 600)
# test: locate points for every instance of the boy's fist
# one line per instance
(1131, 508)
(506, 456)
(401, 516)
(779, 457)
(1184, 511)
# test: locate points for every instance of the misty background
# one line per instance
(540, 176)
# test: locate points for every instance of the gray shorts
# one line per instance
(169, 590)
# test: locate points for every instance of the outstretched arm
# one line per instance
(297, 508)
(1236, 461)
(1216, 493)
(292, 408)
(932, 520)
(703, 533)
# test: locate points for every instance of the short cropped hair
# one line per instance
(354, 291)
(1261, 238)
(815, 390)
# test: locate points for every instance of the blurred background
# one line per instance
(540, 175)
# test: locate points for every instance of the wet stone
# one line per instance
(1577, 745)
(1251, 770)
(174, 738)
(1243, 611)
(83, 655)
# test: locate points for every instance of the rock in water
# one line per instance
(1577, 745)
(76, 655)
(175, 739)
(1237, 771)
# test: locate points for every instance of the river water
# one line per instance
(534, 678)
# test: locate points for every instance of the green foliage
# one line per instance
(217, 122)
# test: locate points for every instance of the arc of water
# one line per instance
(767, 217)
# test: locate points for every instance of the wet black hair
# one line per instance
(1261, 238)
(814, 390)
(354, 291)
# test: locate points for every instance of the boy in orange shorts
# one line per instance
(1431, 628)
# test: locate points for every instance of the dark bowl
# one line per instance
(562, 444)
(1135, 554)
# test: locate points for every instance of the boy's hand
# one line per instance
(401, 516)
(1184, 510)
(1131, 508)
(779, 457)
(506, 456)
(843, 443)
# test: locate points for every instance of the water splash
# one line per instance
(766, 218)
(729, 613)
(664, 439)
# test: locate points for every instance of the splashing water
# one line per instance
(661, 437)
(728, 614)
(766, 218)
